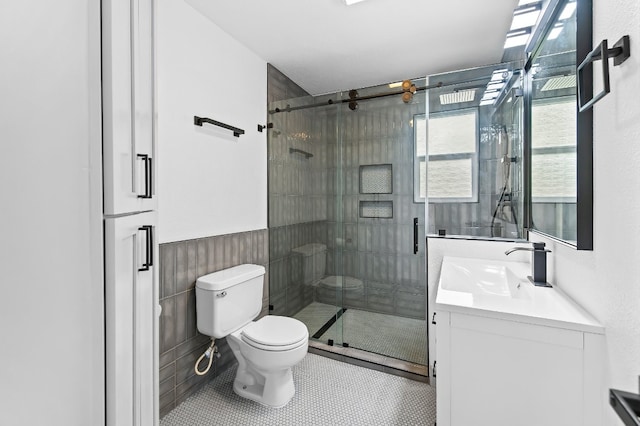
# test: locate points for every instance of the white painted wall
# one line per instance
(605, 281)
(51, 307)
(209, 182)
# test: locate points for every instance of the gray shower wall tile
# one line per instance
(411, 304)
(167, 372)
(382, 301)
(280, 87)
(167, 358)
(167, 270)
(260, 247)
(167, 402)
(167, 385)
(167, 328)
(192, 259)
(181, 316)
(201, 257)
(180, 342)
(182, 265)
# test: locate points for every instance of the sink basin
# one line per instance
(501, 289)
(479, 277)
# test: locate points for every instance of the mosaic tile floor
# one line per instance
(315, 315)
(392, 336)
(324, 396)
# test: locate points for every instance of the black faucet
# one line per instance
(538, 263)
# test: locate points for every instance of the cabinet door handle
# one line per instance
(433, 319)
(149, 247)
(148, 176)
(415, 235)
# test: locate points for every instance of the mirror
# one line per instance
(559, 137)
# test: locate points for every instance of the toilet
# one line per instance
(313, 262)
(227, 302)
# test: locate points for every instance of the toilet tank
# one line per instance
(313, 261)
(229, 299)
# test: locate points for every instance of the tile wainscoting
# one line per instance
(181, 263)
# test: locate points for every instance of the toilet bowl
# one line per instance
(266, 350)
(227, 302)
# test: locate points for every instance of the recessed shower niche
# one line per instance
(376, 209)
(376, 179)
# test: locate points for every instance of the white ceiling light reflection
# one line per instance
(517, 38)
(555, 32)
(525, 17)
(568, 11)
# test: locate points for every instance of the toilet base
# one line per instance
(271, 384)
(274, 391)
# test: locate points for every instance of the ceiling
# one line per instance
(326, 46)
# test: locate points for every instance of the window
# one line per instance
(453, 157)
(553, 150)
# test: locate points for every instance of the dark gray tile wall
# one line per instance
(280, 87)
(181, 263)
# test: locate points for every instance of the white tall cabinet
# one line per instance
(131, 279)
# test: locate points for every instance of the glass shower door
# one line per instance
(379, 272)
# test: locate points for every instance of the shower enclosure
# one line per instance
(349, 175)
(347, 252)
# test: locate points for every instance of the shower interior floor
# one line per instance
(387, 335)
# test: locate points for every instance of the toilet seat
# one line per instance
(275, 333)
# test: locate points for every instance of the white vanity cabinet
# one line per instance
(511, 354)
(499, 372)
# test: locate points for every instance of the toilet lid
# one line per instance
(275, 332)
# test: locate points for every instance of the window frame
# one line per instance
(473, 156)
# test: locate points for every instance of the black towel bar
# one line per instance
(619, 52)
(199, 120)
(299, 151)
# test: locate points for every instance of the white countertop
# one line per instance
(500, 289)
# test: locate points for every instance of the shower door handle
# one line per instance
(415, 235)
